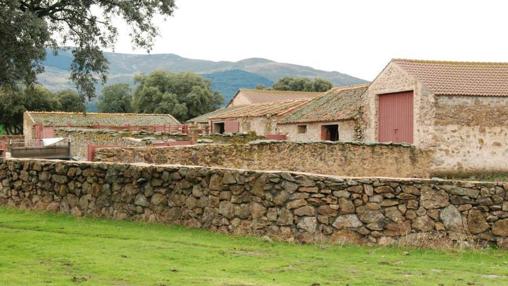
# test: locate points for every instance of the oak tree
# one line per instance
(29, 27)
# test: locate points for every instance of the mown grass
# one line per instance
(48, 249)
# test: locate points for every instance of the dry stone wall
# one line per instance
(81, 137)
(341, 159)
(283, 205)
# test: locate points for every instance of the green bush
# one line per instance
(2, 131)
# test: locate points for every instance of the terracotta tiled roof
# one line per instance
(269, 95)
(459, 78)
(340, 103)
(258, 110)
(78, 119)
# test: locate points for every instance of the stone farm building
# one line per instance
(92, 128)
(253, 96)
(260, 118)
(263, 103)
(457, 109)
(333, 116)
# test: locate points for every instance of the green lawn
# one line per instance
(44, 249)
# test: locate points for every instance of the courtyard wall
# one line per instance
(331, 158)
(282, 205)
(81, 137)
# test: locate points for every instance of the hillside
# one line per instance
(228, 82)
(226, 76)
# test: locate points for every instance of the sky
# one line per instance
(355, 37)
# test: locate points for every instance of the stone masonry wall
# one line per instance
(394, 79)
(341, 159)
(471, 134)
(81, 137)
(287, 206)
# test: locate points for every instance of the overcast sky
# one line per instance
(357, 37)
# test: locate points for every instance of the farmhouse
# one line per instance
(260, 118)
(253, 96)
(457, 109)
(333, 116)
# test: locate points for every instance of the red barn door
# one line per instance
(231, 126)
(396, 117)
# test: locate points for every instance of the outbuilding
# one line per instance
(259, 118)
(459, 110)
(333, 116)
(255, 96)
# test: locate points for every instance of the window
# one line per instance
(330, 132)
(302, 129)
(218, 127)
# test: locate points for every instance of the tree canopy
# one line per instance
(13, 102)
(116, 98)
(69, 101)
(302, 84)
(183, 95)
(28, 27)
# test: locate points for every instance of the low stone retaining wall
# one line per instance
(283, 205)
(82, 137)
(340, 159)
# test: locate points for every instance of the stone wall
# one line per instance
(347, 131)
(81, 137)
(282, 205)
(471, 134)
(6, 138)
(342, 159)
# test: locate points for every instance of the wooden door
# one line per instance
(396, 117)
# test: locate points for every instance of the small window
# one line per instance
(302, 129)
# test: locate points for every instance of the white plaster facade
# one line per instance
(260, 125)
(313, 131)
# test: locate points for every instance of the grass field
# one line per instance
(44, 249)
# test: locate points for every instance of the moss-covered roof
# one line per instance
(78, 119)
(259, 109)
(255, 96)
(340, 103)
(204, 118)
(250, 110)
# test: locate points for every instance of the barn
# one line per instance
(254, 96)
(333, 116)
(459, 110)
(260, 118)
(40, 124)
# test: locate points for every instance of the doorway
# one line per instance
(218, 127)
(330, 132)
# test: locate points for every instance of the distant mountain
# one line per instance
(226, 77)
(228, 82)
